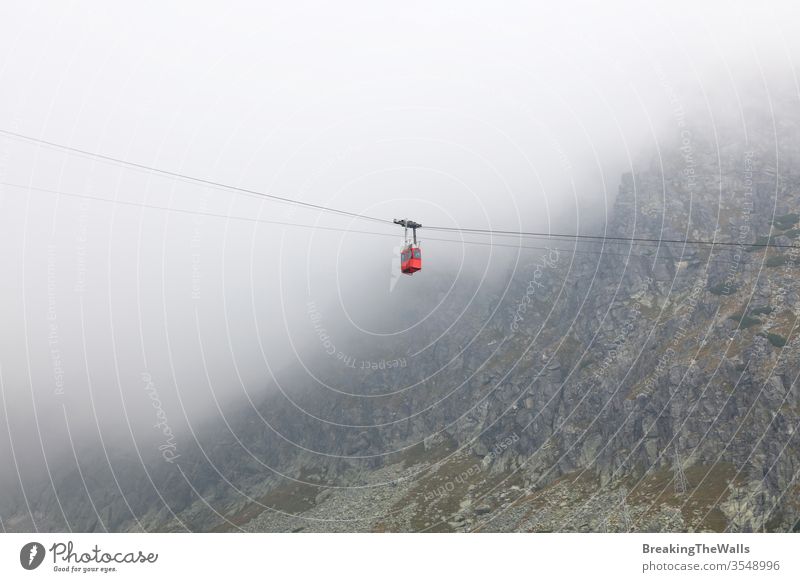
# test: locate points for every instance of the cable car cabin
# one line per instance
(411, 255)
(411, 260)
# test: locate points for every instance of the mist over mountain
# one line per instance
(625, 387)
(180, 355)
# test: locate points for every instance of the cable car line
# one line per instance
(203, 181)
(314, 226)
(605, 238)
(654, 243)
(191, 212)
(478, 231)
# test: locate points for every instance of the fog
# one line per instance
(120, 284)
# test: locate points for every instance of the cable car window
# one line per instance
(417, 254)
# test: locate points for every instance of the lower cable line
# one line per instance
(249, 219)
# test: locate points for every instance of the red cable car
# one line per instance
(411, 260)
(411, 255)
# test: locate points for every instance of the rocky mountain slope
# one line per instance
(601, 387)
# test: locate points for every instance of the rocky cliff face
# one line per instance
(606, 387)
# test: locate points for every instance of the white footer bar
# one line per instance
(399, 557)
